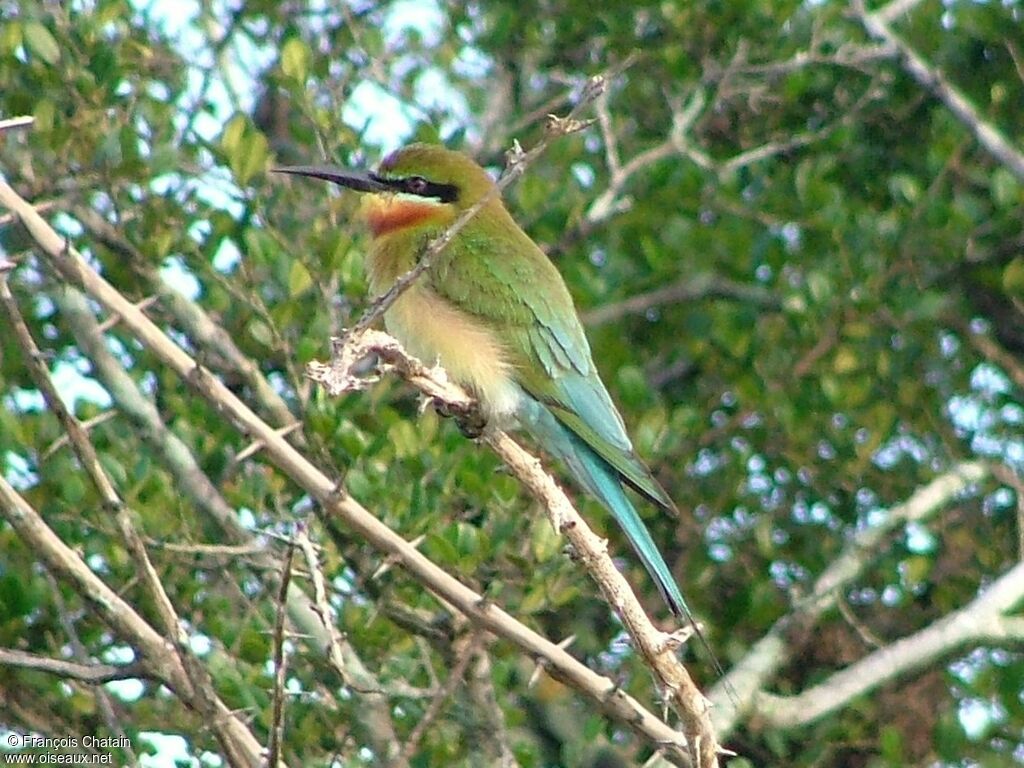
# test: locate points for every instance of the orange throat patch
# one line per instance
(386, 213)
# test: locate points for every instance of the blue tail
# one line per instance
(601, 479)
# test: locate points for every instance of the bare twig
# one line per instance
(611, 143)
(199, 693)
(88, 424)
(254, 447)
(196, 486)
(112, 321)
(202, 329)
(465, 650)
(121, 617)
(323, 609)
(94, 674)
(678, 143)
(68, 619)
(538, 670)
(862, 630)
(700, 286)
(339, 652)
(611, 201)
(851, 55)
(223, 551)
(16, 122)
(280, 659)
(988, 136)
(489, 730)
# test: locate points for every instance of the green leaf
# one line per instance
(261, 333)
(1013, 277)
(45, 113)
(904, 187)
(295, 58)
(930, 305)
(254, 159)
(232, 135)
(845, 359)
(404, 440)
(916, 569)
(820, 286)
(441, 547)
(1005, 188)
(11, 36)
(299, 279)
(41, 42)
(544, 542)
(891, 742)
(632, 385)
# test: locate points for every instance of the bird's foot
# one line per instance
(470, 420)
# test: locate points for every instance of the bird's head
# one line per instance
(421, 184)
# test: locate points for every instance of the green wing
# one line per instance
(502, 278)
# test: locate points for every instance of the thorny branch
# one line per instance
(465, 650)
(334, 503)
(196, 486)
(657, 648)
(237, 741)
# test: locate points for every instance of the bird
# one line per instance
(495, 313)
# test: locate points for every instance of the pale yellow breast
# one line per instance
(436, 332)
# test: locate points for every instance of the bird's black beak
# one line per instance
(361, 181)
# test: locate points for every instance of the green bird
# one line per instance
(496, 314)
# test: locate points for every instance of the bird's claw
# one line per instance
(471, 421)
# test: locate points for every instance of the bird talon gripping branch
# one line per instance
(470, 420)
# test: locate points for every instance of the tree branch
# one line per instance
(657, 648)
(983, 620)
(769, 653)
(488, 729)
(700, 286)
(94, 674)
(198, 692)
(988, 136)
(335, 503)
(465, 649)
(195, 485)
(280, 660)
(121, 617)
(204, 332)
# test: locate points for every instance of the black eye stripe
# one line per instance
(421, 187)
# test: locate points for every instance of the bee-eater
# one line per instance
(495, 313)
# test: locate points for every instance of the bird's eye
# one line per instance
(417, 185)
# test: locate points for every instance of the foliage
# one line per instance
(847, 326)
